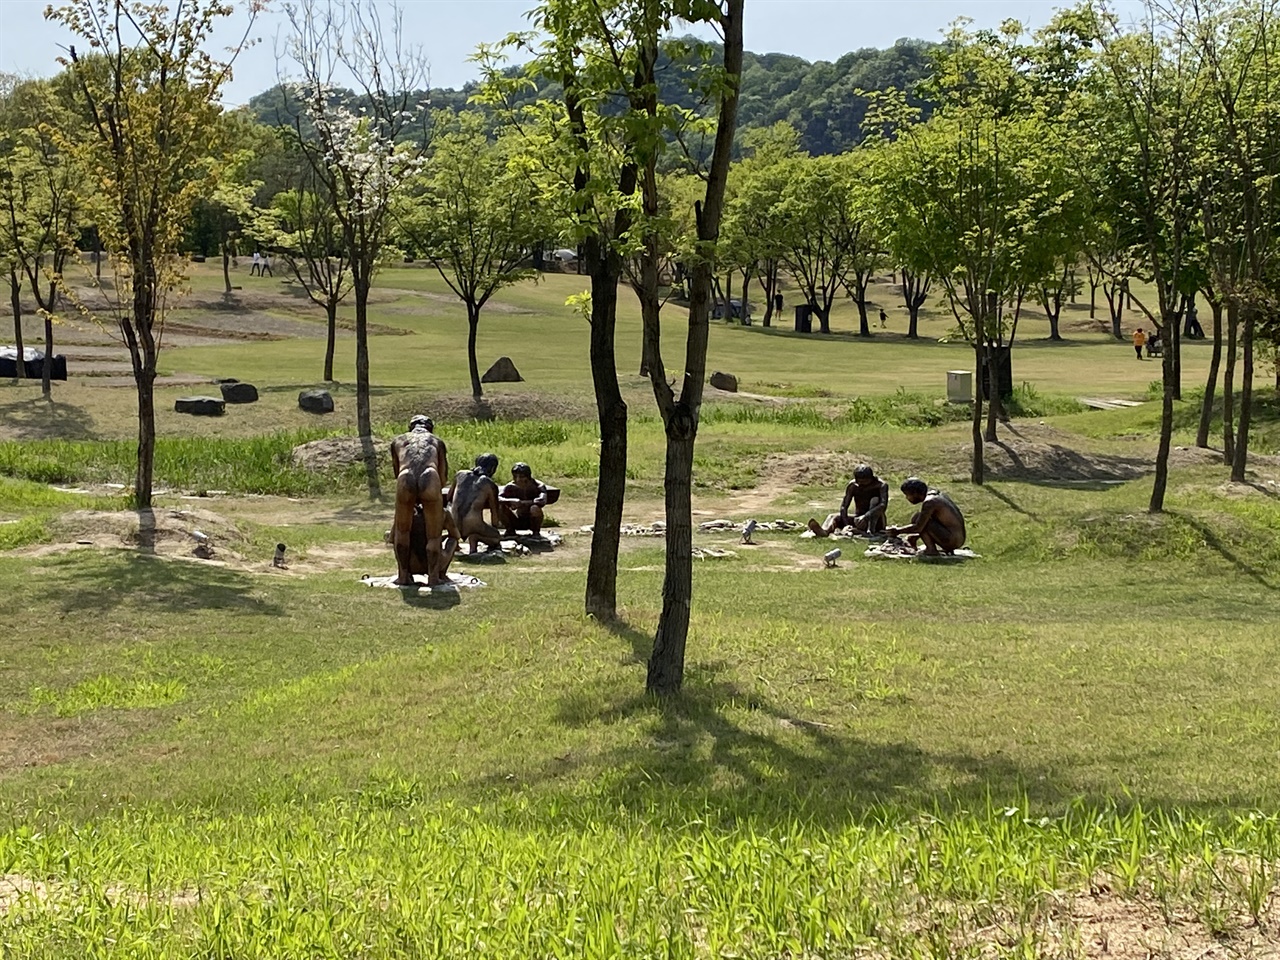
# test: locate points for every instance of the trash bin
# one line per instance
(1003, 359)
(804, 318)
(959, 386)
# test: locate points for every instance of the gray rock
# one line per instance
(316, 401)
(200, 406)
(724, 381)
(502, 371)
(237, 392)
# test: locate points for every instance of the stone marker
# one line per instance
(316, 401)
(724, 381)
(502, 371)
(238, 392)
(200, 406)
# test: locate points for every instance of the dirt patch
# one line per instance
(1121, 928)
(785, 471)
(194, 534)
(498, 406)
(335, 453)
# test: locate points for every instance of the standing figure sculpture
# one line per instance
(939, 522)
(869, 496)
(474, 492)
(420, 462)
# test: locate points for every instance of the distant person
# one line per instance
(884, 319)
(869, 496)
(939, 522)
(522, 501)
(1139, 341)
(473, 493)
(266, 271)
(256, 269)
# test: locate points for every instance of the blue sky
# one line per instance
(448, 31)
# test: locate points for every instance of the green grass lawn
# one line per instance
(1067, 744)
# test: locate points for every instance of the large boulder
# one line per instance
(502, 371)
(724, 381)
(239, 392)
(200, 406)
(316, 401)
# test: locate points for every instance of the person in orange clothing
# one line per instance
(1139, 341)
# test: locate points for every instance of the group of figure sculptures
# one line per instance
(432, 517)
(938, 524)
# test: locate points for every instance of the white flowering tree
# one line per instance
(362, 144)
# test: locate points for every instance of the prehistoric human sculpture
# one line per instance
(938, 522)
(474, 492)
(419, 460)
(522, 500)
(869, 496)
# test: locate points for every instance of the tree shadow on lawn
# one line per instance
(765, 763)
(39, 419)
(1212, 540)
(114, 579)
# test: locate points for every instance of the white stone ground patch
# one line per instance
(891, 551)
(457, 581)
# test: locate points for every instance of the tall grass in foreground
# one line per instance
(385, 875)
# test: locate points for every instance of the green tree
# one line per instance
(474, 213)
(1148, 114)
(310, 240)
(362, 149)
(41, 205)
(152, 105)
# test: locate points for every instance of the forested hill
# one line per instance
(818, 99)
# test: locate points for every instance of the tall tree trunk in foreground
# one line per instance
(680, 417)
(602, 569)
(1240, 455)
(1228, 385)
(1166, 425)
(976, 473)
(1211, 382)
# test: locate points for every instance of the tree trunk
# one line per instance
(1053, 324)
(144, 477)
(1240, 455)
(993, 395)
(1093, 298)
(864, 325)
(1228, 386)
(824, 320)
(1166, 428)
(46, 373)
(15, 301)
(1211, 383)
(331, 311)
(1175, 343)
(746, 286)
(364, 416)
(976, 473)
(666, 663)
(473, 324)
(611, 487)
(226, 267)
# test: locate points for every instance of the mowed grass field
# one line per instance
(1066, 748)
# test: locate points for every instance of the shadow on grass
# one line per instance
(431, 599)
(140, 579)
(1053, 465)
(1216, 544)
(38, 419)
(719, 751)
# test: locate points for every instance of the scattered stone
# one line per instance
(316, 401)
(237, 392)
(200, 406)
(710, 553)
(502, 371)
(724, 381)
